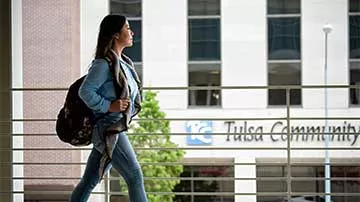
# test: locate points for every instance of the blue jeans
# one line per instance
(124, 161)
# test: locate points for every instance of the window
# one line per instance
(204, 7)
(135, 51)
(354, 6)
(284, 38)
(284, 74)
(132, 10)
(354, 50)
(307, 179)
(194, 185)
(283, 7)
(204, 51)
(204, 75)
(128, 8)
(204, 37)
(284, 50)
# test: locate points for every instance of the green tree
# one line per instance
(148, 133)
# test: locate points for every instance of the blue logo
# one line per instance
(195, 127)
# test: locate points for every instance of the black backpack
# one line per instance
(75, 121)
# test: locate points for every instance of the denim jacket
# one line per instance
(98, 92)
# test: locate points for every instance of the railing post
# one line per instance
(5, 102)
(107, 187)
(288, 146)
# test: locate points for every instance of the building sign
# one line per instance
(277, 132)
(193, 128)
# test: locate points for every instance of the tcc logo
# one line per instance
(199, 127)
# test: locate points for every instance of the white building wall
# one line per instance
(165, 50)
(315, 14)
(92, 12)
(244, 63)
(246, 185)
(243, 53)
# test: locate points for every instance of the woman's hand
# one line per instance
(119, 105)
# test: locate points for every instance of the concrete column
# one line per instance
(245, 187)
(91, 14)
(5, 101)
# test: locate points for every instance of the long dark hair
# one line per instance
(109, 26)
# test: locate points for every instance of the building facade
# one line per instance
(241, 128)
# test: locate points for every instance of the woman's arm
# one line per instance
(97, 75)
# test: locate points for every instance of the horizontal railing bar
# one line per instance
(201, 178)
(167, 119)
(189, 148)
(186, 134)
(152, 148)
(204, 87)
(172, 148)
(203, 119)
(302, 164)
(194, 193)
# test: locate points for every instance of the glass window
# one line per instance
(355, 80)
(205, 185)
(283, 6)
(354, 5)
(284, 74)
(204, 39)
(132, 10)
(354, 26)
(284, 38)
(309, 185)
(204, 45)
(134, 52)
(266, 185)
(128, 8)
(204, 75)
(139, 71)
(204, 7)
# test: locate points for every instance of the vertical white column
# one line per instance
(334, 12)
(17, 96)
(165, 49)
(243, 52)
(91, 14)
(245, 186)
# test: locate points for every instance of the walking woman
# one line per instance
(114, 101)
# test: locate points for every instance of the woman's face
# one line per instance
(125, 36)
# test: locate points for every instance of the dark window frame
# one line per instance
(194, 185)
(309, 171)
(204, 12)
(289, 59)
(133, 52)
(215, 60)
(283, 8)
(354, 60)
(127, 5)
(207, 38)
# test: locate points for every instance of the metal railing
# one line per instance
(286, 161)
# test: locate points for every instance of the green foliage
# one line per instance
(159, 137)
